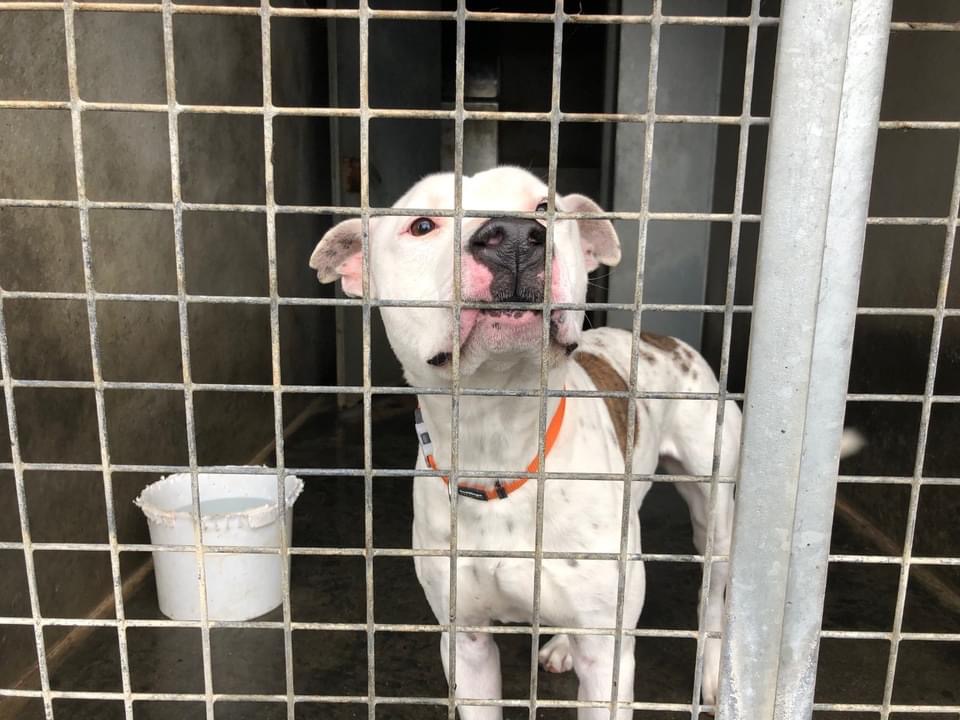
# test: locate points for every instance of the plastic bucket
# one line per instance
(236, 510)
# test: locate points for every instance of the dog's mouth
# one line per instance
(512, 314)
(509, 328)
(517, 322)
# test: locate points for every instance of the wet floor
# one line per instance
(332, 589)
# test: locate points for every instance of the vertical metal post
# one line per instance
(266, 67)
(727, 333)
(830, 63)
(455, 388)
(364, 96)
(183, 323)
(336, 196)
(832, 346)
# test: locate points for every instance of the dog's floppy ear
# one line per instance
(597, 237)
(338, 255)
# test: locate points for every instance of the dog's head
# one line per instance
(501, 260)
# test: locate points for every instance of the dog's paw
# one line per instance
(556, 656)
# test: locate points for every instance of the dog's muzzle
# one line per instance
(513, 249)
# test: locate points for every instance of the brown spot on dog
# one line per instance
(682, 361)
(649, 357)
(662, 342)
(606, 379)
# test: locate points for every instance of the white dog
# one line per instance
(502, 260)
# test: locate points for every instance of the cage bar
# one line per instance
(813, 214)
(17, 466)
(173, 130)
(455, 388)
(726, 339)
(918, 481)
(832, 347)
(95, 363)
(552, 164)
(644, 224)
(364, 99)
(266, 68)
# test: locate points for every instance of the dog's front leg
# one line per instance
(477, 672)
(593, 663)
(478, 659)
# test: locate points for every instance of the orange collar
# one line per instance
(499, 490)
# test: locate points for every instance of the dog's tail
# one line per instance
(851, 442)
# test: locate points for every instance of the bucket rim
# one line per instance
(254, 516)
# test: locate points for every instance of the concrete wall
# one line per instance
(682, 177)
(120, 58)
(403, 74)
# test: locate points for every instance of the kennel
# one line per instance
(165, 169)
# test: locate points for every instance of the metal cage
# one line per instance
(823, 127)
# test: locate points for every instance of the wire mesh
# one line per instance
(274, 301)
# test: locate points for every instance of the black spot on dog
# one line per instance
(440, 359)
(572, 563)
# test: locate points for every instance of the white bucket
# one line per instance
(237, 510)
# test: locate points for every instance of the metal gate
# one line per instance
(829, 75)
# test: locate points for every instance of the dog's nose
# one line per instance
(509, 236)
(513, 250)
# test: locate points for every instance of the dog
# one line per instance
(502, 259)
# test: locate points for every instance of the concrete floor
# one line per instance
(329, 513)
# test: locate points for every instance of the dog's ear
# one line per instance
(597, 237)
(338, 255)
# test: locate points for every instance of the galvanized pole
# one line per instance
(832, 345)
(830, 64)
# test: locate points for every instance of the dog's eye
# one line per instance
(542, 207)
(421, 226)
